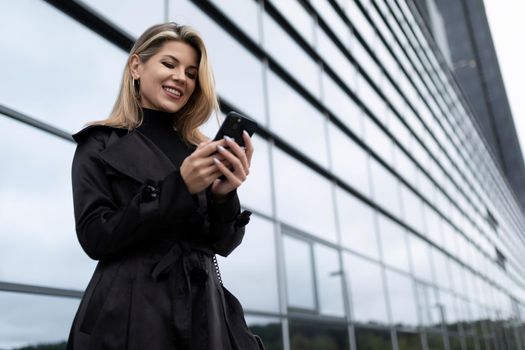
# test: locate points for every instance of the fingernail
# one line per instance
(221, 148)
(227, 138)
(246, 133)
(216, 160)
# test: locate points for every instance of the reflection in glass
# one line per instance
(306, 204)
(408, 341)
(296, 120)
(250, 270)
(317, 336)
(372, 339)
(366, 290)
(393, 243)
(38, 187)
(68, 53)
(329, 284)
(35, 320)
(356, 222)
(269, 329)
(299, 274)
(435, 341)
(402, 301)
(385, 188)
(349, 161)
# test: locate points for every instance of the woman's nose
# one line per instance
(178, 75)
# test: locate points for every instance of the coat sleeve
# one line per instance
(105, 229)
(227, 223)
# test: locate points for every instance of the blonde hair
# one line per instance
(127, 111)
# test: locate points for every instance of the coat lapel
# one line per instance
(129, 153)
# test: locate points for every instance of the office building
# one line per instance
(382, 218)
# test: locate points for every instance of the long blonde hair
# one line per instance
(127, 111)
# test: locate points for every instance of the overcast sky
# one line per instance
(506, 19)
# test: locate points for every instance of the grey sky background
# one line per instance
(506, 20)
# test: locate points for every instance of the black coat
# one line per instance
(155, 285)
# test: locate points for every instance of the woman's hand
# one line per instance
(199, 170)
(239, 159)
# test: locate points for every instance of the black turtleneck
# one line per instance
(157, 126)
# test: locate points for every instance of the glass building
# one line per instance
(381, 217)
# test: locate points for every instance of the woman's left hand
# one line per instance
(240, 160)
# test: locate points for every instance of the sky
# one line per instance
(506, 20)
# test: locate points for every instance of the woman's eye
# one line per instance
(169, 65)
(191, 75)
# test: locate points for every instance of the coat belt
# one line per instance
(183, 266)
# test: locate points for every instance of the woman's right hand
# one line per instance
(198, 170)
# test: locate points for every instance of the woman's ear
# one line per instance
(134, 64)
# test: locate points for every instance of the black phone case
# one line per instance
(233, 126)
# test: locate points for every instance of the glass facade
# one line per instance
(381, 220)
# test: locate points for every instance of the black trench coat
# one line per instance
(155, 285)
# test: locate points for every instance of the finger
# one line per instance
(203, 143)
(241, 155)
(234, 161)
(238, 166)
(248, 145)
(230, 176)
(209, 148)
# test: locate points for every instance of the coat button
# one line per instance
(243, 218)
(149, 192)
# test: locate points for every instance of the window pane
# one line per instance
(402, 301)
(35, 320)
(385, 188)
(296, 61)
(372, 339)
(328, 273)
(349, 161)
(269, 329)
(317, 336)
(420, 254)
(342, 105)
(366, 290)
(296, 120)
(243, 14)
(299, 278)
(78, 76)
(238, 74)
(380, 143)
(250, 270)
(314, 212)
(36, 184)
(301, 20)
(408, 341)
(412, 209)
(356, 221)
(151, 12)
(393, 243)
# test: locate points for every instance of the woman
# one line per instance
(150, 207)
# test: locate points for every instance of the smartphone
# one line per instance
(233, 126)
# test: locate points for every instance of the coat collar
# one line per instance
(138, 157)
(133, 154)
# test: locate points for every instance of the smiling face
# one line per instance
(168, 78)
